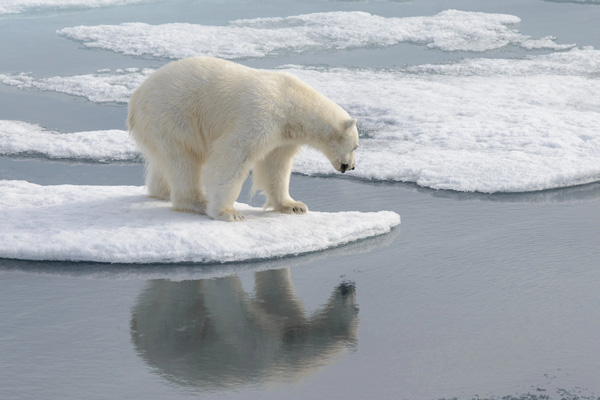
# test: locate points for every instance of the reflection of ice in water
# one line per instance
(449, 30)
(211, 335)
(487, 125)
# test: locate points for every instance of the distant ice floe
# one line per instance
(480, 125)
(450, 30)
(102, 86)
(21, 6)
(119, 224)
(25, 139)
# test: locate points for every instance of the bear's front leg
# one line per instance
(225, 173)
(272, 175)
(225, 214)
(292, 207)
(221, 198)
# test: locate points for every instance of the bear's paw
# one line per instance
(293, 207)
(198, 207)
(230, 216)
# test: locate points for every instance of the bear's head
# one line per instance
(343, 144)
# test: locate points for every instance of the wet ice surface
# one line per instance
(435, 125)
(492, 295)
(23, 6)
(450, 30)
(24, 139)
(472, 295)
(119, 224)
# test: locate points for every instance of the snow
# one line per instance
(485, 125)
(479, 125)
(450, 30)
(23, 139)
(21, 6)
(119, 224)
(102, 86)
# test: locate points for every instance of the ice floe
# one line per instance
(119, 224)
(485, 125)
(450, 30)
(488, 132)
(101, 86)
(21, 6)
(24, 139)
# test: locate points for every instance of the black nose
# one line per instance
(344, 168)
(346, 288)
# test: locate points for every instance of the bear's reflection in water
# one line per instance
(210, 334)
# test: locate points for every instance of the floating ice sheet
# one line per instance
(21, 138)
(119, 224)
(20, 6)
(449, 30)
(101, 86)
(486, 125)
(480, 125)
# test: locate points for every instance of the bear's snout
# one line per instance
(345, 167)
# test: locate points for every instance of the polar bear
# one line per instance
(212, 335)
(202, 123)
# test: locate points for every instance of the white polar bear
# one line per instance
(202, 123)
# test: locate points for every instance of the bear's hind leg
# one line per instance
(272, 175)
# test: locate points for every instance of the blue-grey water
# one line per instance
(472, 295)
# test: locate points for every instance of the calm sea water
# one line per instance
(473, 295)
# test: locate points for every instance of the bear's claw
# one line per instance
(231, 216)
(296, 207)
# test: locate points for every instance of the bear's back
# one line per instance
(208, 95)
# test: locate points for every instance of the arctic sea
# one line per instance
(479, 125)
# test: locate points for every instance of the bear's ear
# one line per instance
(349, 123)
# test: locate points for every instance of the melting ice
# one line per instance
(449, 30)
(487, 125)
(21, 138)
(20, 6)
(102, 86)
(119, 224)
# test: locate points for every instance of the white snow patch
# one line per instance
(21, 6)
(450, 30)
(119, 224)
(486, 125)
(102, 86)
(22, 138)
(508, 126)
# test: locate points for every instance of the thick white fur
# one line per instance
(202, 123)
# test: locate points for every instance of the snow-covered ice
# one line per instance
(450, 30)
(101, 86)
(19, 138)
(21, 6)
(479, 125)
(119, 224)
(486, 125)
